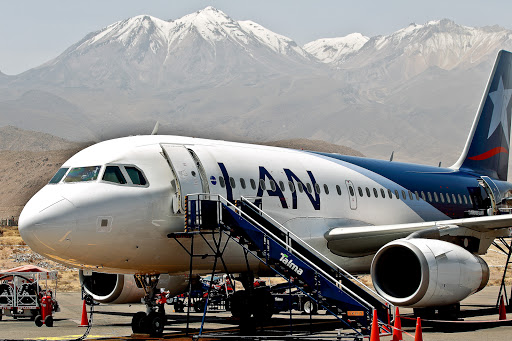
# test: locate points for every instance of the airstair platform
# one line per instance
(289, 256)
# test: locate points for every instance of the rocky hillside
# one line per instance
(15, 139)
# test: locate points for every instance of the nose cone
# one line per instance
(47, 222)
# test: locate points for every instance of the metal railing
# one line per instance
(286, 244)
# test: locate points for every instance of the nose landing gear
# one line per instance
(153, 320)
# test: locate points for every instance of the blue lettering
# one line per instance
(272, 193)
(229, 190)
(314, 201)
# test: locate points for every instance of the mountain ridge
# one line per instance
(245, 82)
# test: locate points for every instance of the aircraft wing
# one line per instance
(366, 240)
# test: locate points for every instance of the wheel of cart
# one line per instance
(26, 292)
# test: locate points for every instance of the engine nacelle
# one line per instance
(117, 288)
(427, 272)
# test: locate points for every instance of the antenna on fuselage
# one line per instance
(439, 164)
(155, 129)
(391, 157)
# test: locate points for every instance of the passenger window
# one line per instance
(317, 188)
(300, 186)
(242, 183)
(326, 189)
(222, 182)
(382, 193)
(454, 199)
(470, 200)
(396, 194)
(292, 186)
(465, 199)
(351, 190)
(429, 197)
(338, 189)
(417, 195)
(375, 193)
(262, 184)
(232, 182)
(82, 174)
(281, 185)
(441, 196)
(253, 183)
(410, 195)
(114, 174)
(390, 194)
(360, 190)
(368, 192)
(308, 186)
(435, 197)
(403, 195)
(136, 176)
(448, 198)
(58, 176)
(423, 196)
(272, 185)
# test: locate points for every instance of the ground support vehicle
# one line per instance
(25, 292)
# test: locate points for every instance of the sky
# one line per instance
(33, 32)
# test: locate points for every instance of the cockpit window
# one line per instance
(114, 174)
(81, 174)
(58, 176)
(136, 176)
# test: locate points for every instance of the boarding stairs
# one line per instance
(289, 256)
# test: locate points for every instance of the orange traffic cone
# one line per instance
(374, 335)
(84, 322)
(397, 327)
(418, 336)
(503, 310)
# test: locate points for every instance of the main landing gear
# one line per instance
(153, 320)
(253, 306)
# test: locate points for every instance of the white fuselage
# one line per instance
(122, 228)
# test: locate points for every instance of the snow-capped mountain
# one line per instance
(207, 46)
(413, 49)
(208, 75)
(335, 50)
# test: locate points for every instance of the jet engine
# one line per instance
(117, 288)
(427, 272)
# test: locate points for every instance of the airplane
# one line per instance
(418, 229)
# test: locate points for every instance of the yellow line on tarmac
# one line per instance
(66, 337)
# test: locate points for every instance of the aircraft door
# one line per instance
(492, 191)
(351, 194)
(186, 173)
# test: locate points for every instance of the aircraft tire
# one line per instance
(239, 303)
(138, 322)
(155, 324)
(263, 305)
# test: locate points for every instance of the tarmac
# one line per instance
(478, 322)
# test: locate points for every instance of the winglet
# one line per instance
(488, 145)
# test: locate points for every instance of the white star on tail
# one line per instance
(500, 98)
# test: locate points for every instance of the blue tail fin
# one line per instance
(487, 149)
